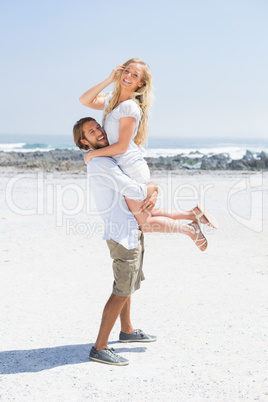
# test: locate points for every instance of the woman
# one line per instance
(125, 122)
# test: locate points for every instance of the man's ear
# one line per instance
(84, 142)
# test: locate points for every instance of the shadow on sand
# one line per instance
(34, 360)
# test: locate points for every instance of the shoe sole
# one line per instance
(212, 221)
(111, 363)
(137, 340)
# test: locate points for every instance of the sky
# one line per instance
(209, 60)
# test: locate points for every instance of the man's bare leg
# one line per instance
(111, 311)
(126, 325)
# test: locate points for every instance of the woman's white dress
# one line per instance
(131, 162)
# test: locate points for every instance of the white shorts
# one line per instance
(138, 171)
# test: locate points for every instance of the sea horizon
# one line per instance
(235, 147)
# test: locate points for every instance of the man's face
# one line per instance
(94, 135)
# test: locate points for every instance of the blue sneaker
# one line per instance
(137, 336)
(107, 356)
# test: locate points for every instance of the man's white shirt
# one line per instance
(109, 185)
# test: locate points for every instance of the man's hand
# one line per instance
(149, 204)
(150, 200)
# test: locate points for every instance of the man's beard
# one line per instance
(96, 146)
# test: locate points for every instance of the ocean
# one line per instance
(194, 147)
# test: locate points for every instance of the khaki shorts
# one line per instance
(127, 266)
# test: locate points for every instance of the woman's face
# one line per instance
(131, 77)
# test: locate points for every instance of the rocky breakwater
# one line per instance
(72, 161)
(56, 160)
(195, 160)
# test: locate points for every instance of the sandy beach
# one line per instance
(209, 310)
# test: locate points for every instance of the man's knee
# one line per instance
(119, 299)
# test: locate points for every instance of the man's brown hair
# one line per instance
(79, 133)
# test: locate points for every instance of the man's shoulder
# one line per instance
(100, 164)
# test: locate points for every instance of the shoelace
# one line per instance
(112, 354)
(139, 332)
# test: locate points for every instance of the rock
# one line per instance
(178, 158)
(207, 163)
(62, 160)
(195, 153)
(194, 166)
(72, 161)
(249, 156)
(260, 165)
(264, 158)
(237, 165)
(263, 155)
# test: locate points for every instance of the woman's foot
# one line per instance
(198, 237)
(204, 218)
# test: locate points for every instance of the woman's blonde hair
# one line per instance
(142, 96)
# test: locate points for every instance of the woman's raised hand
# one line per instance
(91, 99)
(112, 77)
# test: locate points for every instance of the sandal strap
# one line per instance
(200, 245)
(203, 238)
(196, 226)
(197, 231)
(198, 216)
(211, 221)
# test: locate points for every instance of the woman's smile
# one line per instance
(126, 81)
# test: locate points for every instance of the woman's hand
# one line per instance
(92, 98)
(113, 76)
(88, 156)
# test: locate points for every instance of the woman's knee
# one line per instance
(149, 225)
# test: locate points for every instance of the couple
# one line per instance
(120, 183)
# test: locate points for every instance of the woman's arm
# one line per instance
(91, 97)
(126, 130)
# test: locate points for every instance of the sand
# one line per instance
(209, 310)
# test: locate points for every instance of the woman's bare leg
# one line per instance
(149, 223)
(187, 215)
(176, 215)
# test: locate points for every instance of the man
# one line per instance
(109, 186)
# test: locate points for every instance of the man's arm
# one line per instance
(110, 175)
